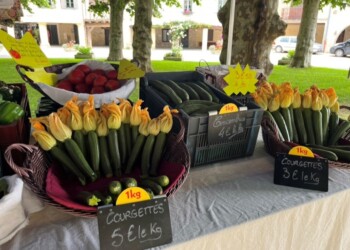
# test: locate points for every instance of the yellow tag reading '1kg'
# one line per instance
(240, 81)
(129, 70)
(301, 151)
(132, 195)
(24, 51)
(228, 108)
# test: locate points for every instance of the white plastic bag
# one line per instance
(12, 213)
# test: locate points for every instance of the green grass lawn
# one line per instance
(304, 78)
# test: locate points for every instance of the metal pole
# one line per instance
(230, 32)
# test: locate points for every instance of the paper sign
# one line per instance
(40, 75)
(132, 195)
(240, 81)
(128, 70)
(25, 51)
(301, 151)
(228, 108)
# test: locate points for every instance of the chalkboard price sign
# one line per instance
(303, 172)
(137, 225)
(223, 128)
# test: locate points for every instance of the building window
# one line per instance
(69, 3)
(165, 35)
(187, 6)
(210, 35)
(221, 3)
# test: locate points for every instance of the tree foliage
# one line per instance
(342, 4)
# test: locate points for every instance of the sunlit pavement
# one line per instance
(319, 60)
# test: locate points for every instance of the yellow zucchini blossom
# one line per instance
(135, 116)
(307, 99)
(166, 120)
(102, 129)
(125, 108)
(58, 129)
(296, 98)
(260, 100)
(316, 103)
(266, 88)
(324, 97)
(76, 119)
(89, 115)
(335, 108)
(114, 115)
(64, 114)
(44, 138)
(274, 103)
(275, 88)
(44, 120)
(154, 126)
(333, 98)
(286, 96)
(145, 119)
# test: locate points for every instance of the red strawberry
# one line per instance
(82, 88)
(89, 79)
(100, 81)
(112, 85)
(76, 76)
(86, 69)
(112, 74)
(64, 84)
(97, 90)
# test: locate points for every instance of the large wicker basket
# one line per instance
(34, 168)
(273, 143)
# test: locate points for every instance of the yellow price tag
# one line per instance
(132, 195)
(228, 108)
(25, 51)
(301, 151)
(240, 81)
(128, 70)
(41, 76)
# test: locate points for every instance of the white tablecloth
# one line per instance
(227, 205)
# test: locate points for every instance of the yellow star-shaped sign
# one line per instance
(240, 81)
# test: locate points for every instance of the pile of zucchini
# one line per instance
(310, 119)
(195, 98)
(110, 142)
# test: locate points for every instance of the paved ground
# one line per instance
(320, 60)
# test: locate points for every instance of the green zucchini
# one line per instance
(94, 152)
(317, 126)
(157, 153)
(343, 155)
(135, 152)
(339, 132)
(78, 158)
(128, 182)
(146, 154)
(328, 154)
(79, 138)
(203, 94)
(178, 90)
(106, 166)
(209, 90)
(155, 187)
(307, 115)
(162, 180)
(281, 125)
(295, 137)
(206, 109)
(165, 89)
(104, 199)
(325, 123)
(115, 187)
(114, 153)
(300, 125)
(88, 198)
(191, 93)
(285, 112)
(333, 123)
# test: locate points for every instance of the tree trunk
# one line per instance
(142, 38)
(256, 26)
(116, 31)
(306, 36)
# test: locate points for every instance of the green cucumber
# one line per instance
(165, 89)
(209, 90)
(191, 93)
(178, 90)
(203, 94)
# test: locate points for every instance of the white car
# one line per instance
(288, 43)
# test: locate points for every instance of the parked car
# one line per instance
(341, 49)
(288, 43)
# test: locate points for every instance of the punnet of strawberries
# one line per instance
(84, 79)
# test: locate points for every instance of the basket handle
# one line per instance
(20, 69)
(23, 148)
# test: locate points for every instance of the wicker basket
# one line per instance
(273, 143)
(35, 167)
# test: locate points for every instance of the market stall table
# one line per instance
(227, 205)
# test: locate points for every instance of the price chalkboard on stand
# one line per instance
(225, 127)
(137, 225)
(302, 172)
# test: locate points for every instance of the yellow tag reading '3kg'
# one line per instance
(240, 81)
